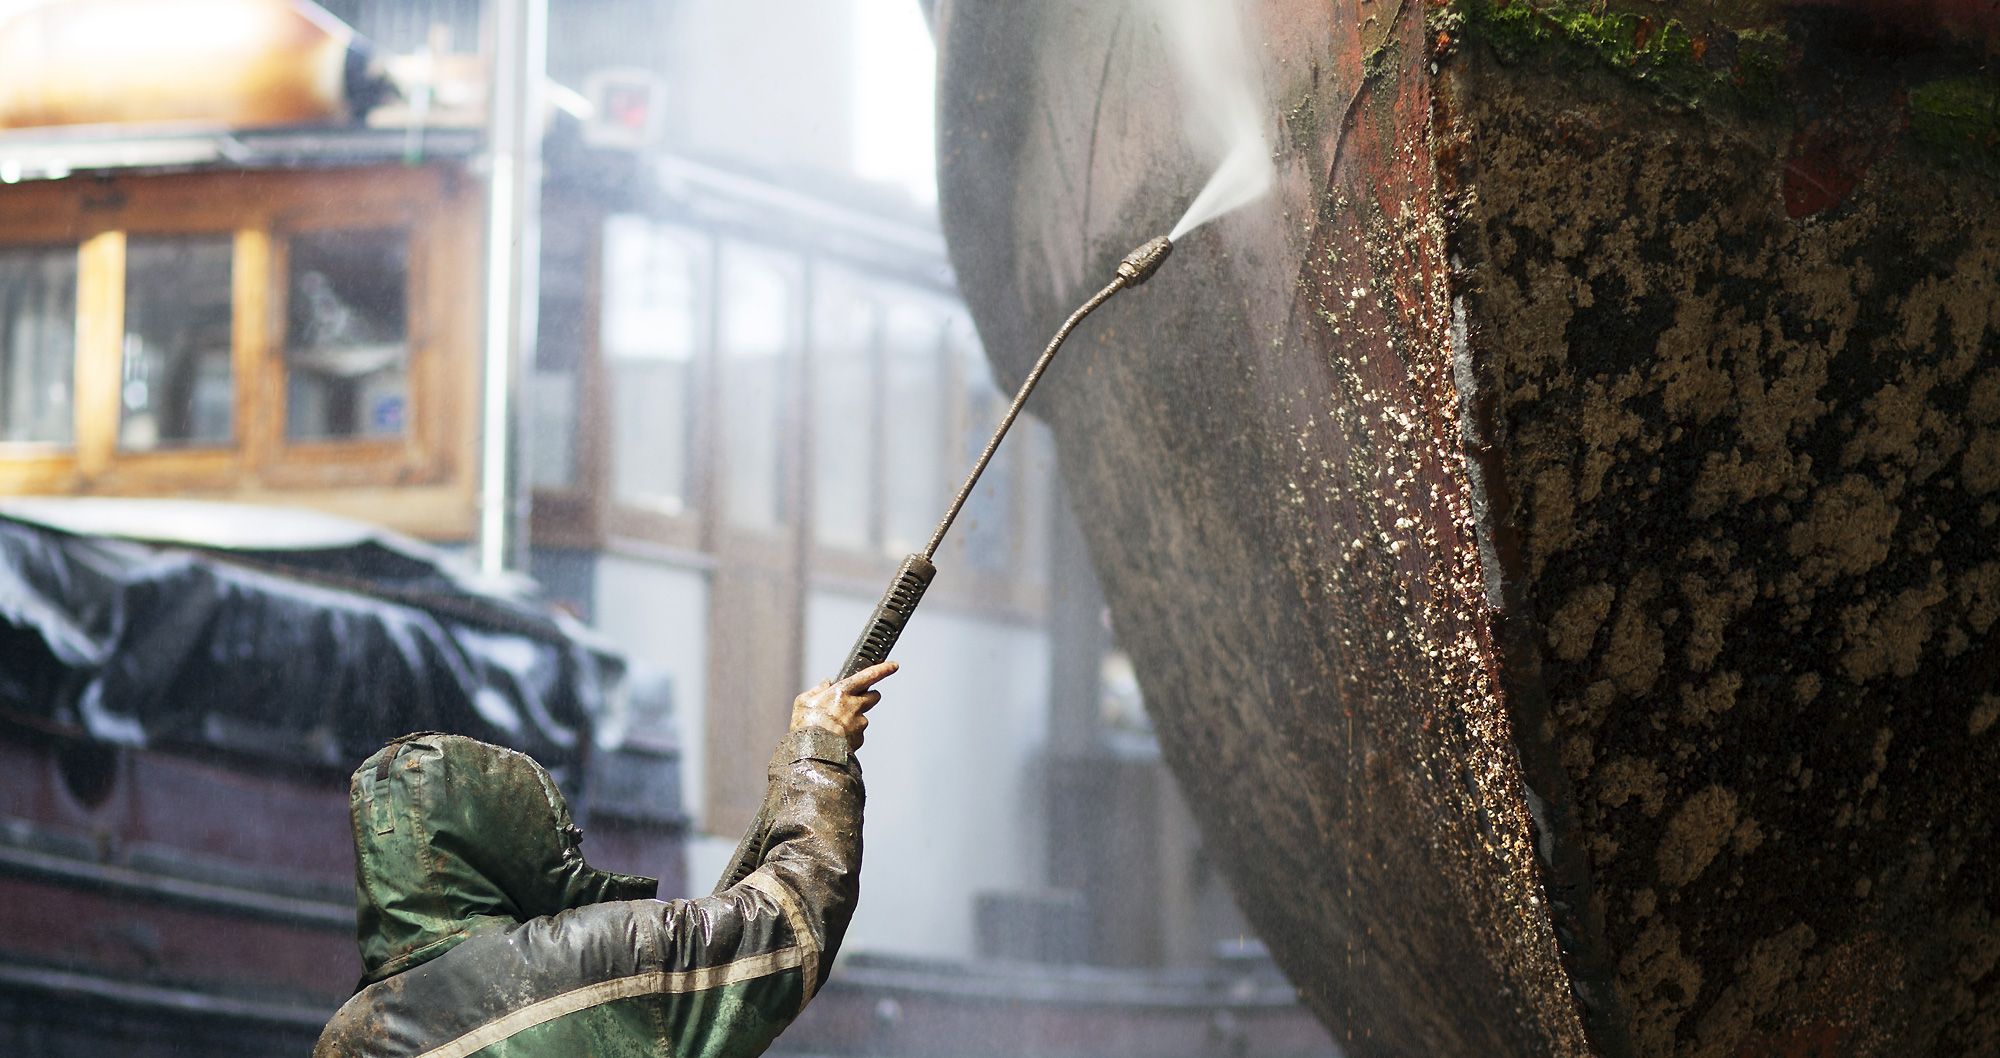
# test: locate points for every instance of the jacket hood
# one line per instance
(452, 835)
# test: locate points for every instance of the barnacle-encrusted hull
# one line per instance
(1556, 532)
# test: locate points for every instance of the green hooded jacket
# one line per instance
(483, 931)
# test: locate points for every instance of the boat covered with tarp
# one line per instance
(186, 686)
(288, 634)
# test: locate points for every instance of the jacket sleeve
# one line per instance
(739, 965)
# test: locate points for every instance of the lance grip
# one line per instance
(885, 626)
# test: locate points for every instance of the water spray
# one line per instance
(913, 577)
(1204, 38)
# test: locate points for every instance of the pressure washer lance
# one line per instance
(914, 575)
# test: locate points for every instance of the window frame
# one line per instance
(790, 502)
(42, 457)
(107, 283)
(864, 289)
(693, 528)
(356, 460)
(260, 210)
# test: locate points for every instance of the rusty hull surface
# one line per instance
(1556, 530)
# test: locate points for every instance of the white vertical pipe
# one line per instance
(528, 229)
(502, 249)
(513, 252)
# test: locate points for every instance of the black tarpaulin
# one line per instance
(315, 649)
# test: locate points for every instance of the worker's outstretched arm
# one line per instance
(760, 948)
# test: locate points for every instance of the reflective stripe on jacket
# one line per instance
(717, 977)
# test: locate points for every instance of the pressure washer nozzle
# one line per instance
(1139, 265)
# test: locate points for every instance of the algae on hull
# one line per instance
(1715, 65)
(1715, 58)
(1959, 118)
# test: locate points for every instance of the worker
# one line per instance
(483, 932)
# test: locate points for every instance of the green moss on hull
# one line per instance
(1959, 119)
(1954, 120)
(1685, 67)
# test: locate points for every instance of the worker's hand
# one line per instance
(842, 707)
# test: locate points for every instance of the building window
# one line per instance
(756, 334)
(913, 425)
(651, 309)
(844, 412)
(176, 387)
(37, 344)
(551, 412)
(347, 350)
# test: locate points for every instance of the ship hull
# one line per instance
(1554, 530)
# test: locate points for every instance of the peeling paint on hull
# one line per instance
(1557, 533)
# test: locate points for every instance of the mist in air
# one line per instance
(1222, 101)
